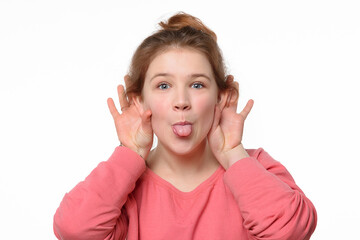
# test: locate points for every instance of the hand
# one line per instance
(226, 132)
(133, 125)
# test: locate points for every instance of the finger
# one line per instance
(244, 113)
(114, 112)
(122, 97)
(229, 79)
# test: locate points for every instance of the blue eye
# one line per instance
(197, 85)
(163, 86)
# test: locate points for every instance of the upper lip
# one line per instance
(182, 123)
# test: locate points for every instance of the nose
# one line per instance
(181, 101)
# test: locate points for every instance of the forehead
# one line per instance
(180, 61)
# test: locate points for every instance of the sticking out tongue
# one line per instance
(182, 130)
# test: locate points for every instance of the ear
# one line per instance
(139, 103)
(127, 84)
(229, 96)
(223, 97)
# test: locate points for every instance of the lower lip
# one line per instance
(182, 130)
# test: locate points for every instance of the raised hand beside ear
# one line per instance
(225, 136)
(133, 125)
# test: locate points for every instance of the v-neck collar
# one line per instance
(159, 180)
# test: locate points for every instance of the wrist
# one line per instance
(143, 153)
(235, 155)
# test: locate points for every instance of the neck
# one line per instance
(199, 160)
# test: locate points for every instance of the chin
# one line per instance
(183, 147)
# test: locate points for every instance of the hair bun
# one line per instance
(181, 20)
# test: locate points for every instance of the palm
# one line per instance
(133, 126)
(227, 130)
(130, 129)
(230, 130)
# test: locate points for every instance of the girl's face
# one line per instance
(181, 92)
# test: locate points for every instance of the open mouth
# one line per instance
(182, 129)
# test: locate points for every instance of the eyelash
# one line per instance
(201, 85)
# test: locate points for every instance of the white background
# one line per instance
(61, 60)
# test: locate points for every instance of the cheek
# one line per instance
(206, 107)
(158, 109)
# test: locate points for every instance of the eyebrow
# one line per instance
(192, 76)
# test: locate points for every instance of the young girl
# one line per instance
(199, 182)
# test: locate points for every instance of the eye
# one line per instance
(197, 85)
(163, 86)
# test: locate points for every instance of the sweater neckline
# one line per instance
(202, 186)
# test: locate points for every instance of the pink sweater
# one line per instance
(256, 198)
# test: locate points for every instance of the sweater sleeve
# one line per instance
(272, 205)
(93, 209)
